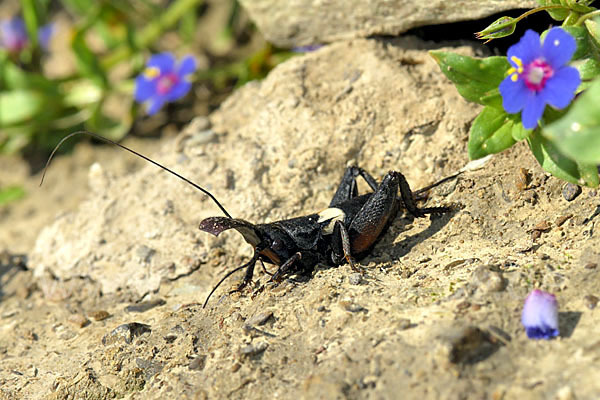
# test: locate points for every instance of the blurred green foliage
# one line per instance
(109, 41)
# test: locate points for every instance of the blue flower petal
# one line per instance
(144, 88)
(178, 91)
(527, 49)
(558, 47)
(186, 66)
(560, 89)
(45, 34)
(165, 62)
(13, 34)
(156, 104)
(540, 315)
(533, 110)
(514, 95)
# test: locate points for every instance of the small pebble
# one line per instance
(99, 315)
(571, 191)
(464, 344)
(144, 253)
(355, 278)
(126, 333)
(235, 367)
(198, 363)
(79, 320)
(260, 318)
(591, 266)
(145, 305)
(253, 349)
(349, 305)
(487, 280)
(404, 324)
(562, 219)
(590, 301)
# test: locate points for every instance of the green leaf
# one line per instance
(582, 39)
(87, 61)
(19, 106)
(556, 14)
(559, 165)
(518, 132)
(114, 129)
(474, 78)
(593, 28)
(491, 133)
(10, 194)
(577, 134)
(588, 68)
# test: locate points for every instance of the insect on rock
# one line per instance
(342, 233)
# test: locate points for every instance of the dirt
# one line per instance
(110, 303)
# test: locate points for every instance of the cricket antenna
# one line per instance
(227, 275)
(206, 192)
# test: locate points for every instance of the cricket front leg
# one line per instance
(286, 267)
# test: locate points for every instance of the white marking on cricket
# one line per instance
(332, 215)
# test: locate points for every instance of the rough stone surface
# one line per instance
(436, 316)
(304, 22)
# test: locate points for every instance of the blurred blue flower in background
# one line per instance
(540, 315)
(45, 33)
(13, 35)
(539, 75)
(163, 81)
(14, 38)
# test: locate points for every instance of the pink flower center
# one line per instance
(536, 74)
(166, 82)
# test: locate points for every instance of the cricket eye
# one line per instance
(277, 244)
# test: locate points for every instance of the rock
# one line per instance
(79, 320)
(590, 301)
(295, 23)
(253, 349)
(126, 333)
(259, 318)
(570, 191)
(145, 305)
(462, 344)
(99, 315)
(487, 280)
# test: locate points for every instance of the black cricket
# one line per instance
(342, 233)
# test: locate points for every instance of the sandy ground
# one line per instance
(110, 301)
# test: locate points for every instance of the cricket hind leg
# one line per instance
(408, 198)
(348, 189)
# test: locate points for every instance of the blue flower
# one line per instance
(162, 81)
(13, 34)
(45, 34)
(540, 315)
(14, 38)
(539, 75)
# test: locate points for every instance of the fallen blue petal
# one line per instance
(540, 315)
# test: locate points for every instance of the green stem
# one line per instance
(584, 17)
(153, 31)
(528, 13)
